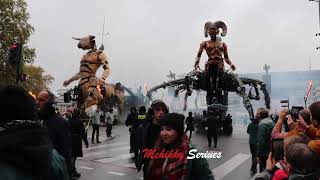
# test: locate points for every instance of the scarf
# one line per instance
(170, 168)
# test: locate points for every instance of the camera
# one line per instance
(294, 112)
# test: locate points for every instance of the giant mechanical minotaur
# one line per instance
(89, 64)
(217, 52)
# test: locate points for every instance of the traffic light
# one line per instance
(15, 53)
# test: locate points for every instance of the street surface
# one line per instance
(111, 159)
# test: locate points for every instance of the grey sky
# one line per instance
(149, 37)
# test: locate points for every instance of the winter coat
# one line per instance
(252, 130)
(78, 135)
(26, 153)
(131, 118)
(198, 168)
(147, 134)
(265, 127)
(60, 135)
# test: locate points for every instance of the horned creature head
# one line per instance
(86, 42)
(213, 28)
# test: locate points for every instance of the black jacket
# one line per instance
(147, 134)
(212, 121)
(131, 118)
(60, 135)
(26, 153)
(78, 135)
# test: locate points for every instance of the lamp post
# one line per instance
(318, 7)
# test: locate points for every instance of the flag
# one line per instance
(309, 89)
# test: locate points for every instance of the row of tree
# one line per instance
(14, 27)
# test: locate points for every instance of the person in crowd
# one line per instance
(131, 121)
(212, 123)
(58, 127)
(148, 132)
(306, 115)
(78, 135)
(172, 137)
(300, 163)
(26, 151)
(294, 127)
(252, 131)
(265, 127)
(142, 115)
(190, 124)
(109, 119)
(277, 170)
(313, 130)
(96, 125)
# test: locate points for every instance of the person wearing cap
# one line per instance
(148, 132)
(78, 135)
(173, 138)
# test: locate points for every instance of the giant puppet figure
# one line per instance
(217, 53)
(90, 85)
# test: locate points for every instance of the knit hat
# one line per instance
(175, 121)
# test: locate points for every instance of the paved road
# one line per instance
(111, 159)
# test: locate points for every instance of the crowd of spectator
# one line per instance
(281, 153)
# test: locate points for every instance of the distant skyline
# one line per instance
(148, 38)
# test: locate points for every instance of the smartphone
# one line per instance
(277, 148)
(294, 112)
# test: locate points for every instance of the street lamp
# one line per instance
(319, 8)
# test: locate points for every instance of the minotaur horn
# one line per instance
(206, 27)
(222, 25)
(76, 38)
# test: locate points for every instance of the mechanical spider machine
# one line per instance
(229, 82)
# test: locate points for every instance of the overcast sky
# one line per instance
(150, 37)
